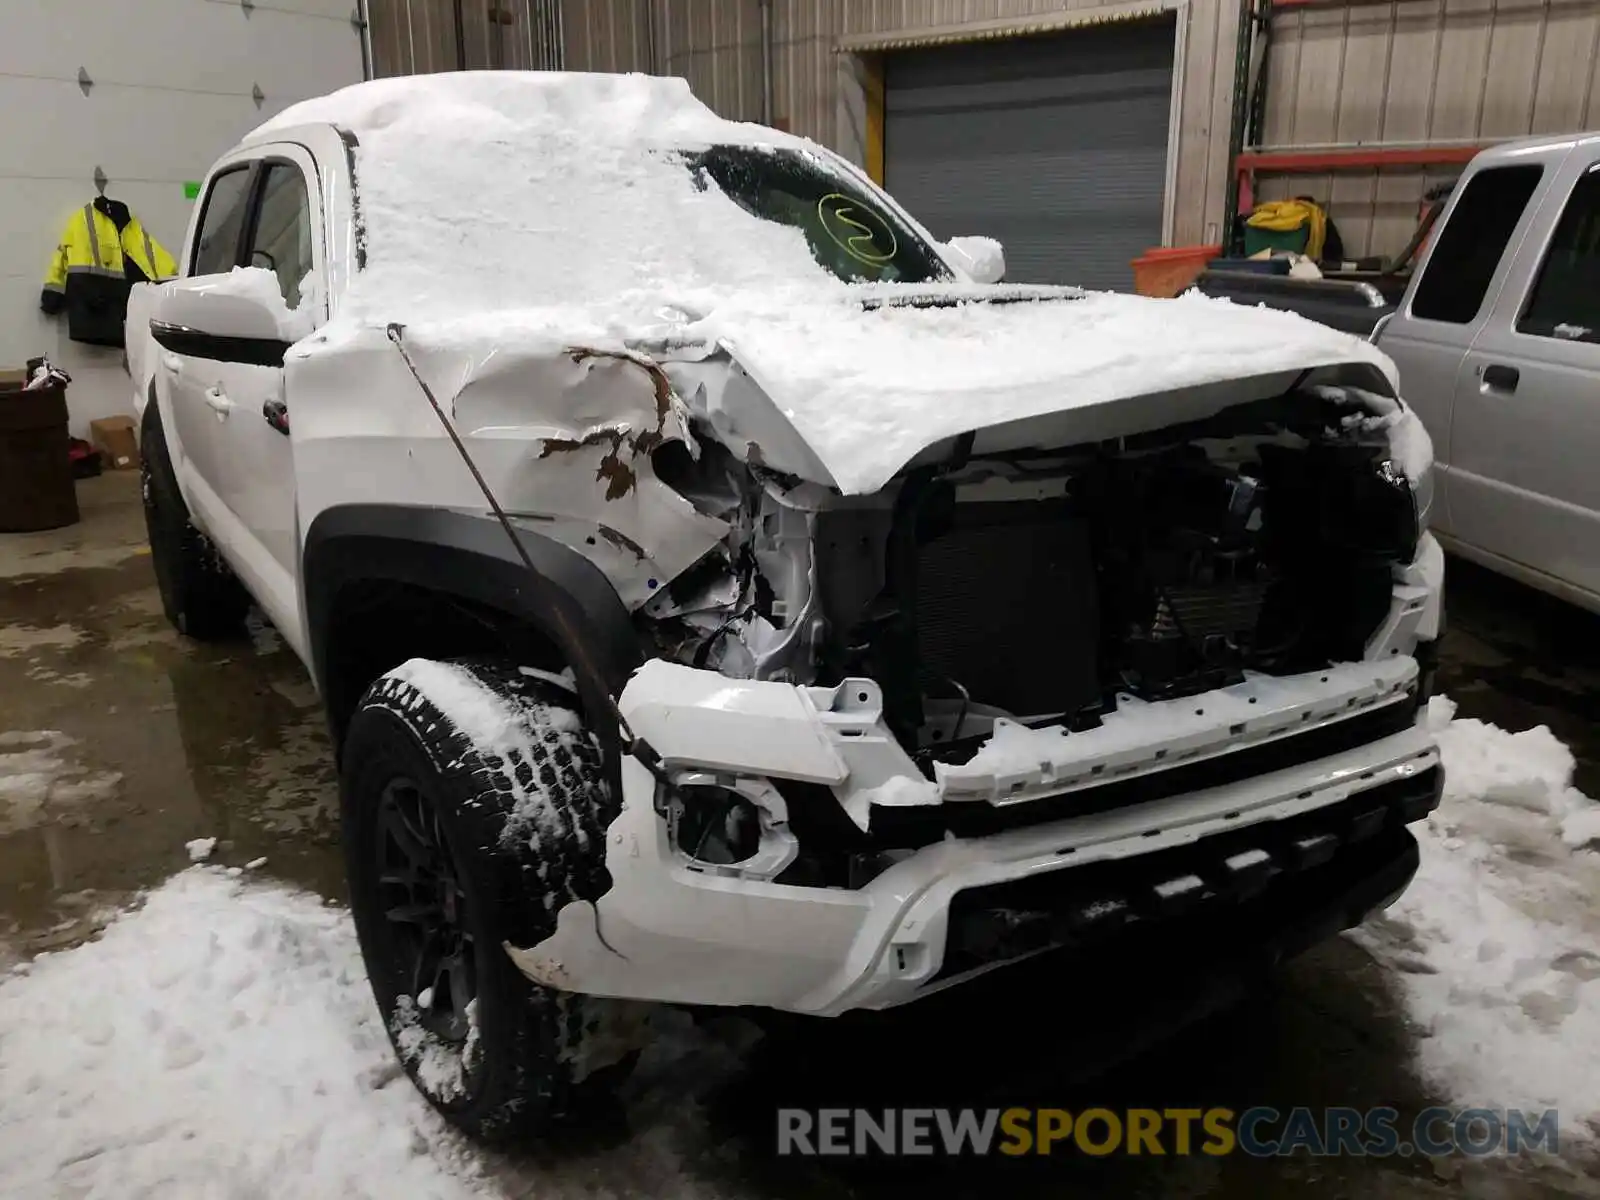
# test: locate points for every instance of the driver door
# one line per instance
(226, 396)
(282, 234)
(190, 384)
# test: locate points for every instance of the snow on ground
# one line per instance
(219, 1040)
(1496, 945)
(40, 781)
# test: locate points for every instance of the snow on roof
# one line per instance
(494, 191)
(480, 105)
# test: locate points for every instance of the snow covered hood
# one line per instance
(503, 212)
(871, 378)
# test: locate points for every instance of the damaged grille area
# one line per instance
(1046, 587)
(985, 590)
(1052, 588)
(1198, 885)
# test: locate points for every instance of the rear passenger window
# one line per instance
(1564, 301)
(216, 250)
(1472, 242)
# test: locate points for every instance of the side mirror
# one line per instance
(244, 305)
(982, 259)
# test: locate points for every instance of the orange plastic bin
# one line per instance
(1168, 270)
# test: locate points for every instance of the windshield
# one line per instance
(850, 234)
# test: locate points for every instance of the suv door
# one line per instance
(1449, 301)
(283, 234)
(190, 385)
(1528, 407)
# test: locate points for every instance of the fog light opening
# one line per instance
(714, 824)
(731, 825)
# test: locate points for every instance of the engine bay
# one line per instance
(1048, 586)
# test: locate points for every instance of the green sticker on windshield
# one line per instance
(856, 229)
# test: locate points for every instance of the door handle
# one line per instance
(172, 363)
(217, 400)
(1501, 378)
(277, 415)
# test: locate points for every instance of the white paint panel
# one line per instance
(171, 92)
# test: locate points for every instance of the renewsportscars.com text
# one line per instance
(1259, 1132)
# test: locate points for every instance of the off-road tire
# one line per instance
(541, 1055)
(199, 594)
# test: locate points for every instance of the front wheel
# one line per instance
(474, 808)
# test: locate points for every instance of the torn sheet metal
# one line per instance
(563, 435)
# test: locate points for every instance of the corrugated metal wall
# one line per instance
(1415, 72)
(414, 37)
(1405, 71)
(716, 45)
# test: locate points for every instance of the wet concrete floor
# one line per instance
(120, 741)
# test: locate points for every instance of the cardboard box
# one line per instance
(114, 438)
(13, 377)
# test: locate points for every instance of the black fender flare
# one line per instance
(468, 556)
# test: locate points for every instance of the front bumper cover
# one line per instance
(1205, 800)
(674, 930)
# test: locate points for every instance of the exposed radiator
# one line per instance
(1006, 607)
(1203, 611)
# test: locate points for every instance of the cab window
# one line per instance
(280, 240)
(1564, 301)
(216, 249)
(1475, 236)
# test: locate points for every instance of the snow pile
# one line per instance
(1408, 438)
(1582, 827)
(220, 1039)
(261, 286)
(1496, 944)
(868, 390)
(553, 195)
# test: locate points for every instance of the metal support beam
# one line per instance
(1233, 202)
(1354, 158)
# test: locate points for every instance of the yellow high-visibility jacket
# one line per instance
(102, 254)
(1282, 216)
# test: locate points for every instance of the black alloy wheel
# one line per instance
(426, 910)
(446, 871)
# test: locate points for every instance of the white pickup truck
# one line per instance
(722, 593)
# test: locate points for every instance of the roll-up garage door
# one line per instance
(1056, 145)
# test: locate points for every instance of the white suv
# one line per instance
(723, 593)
